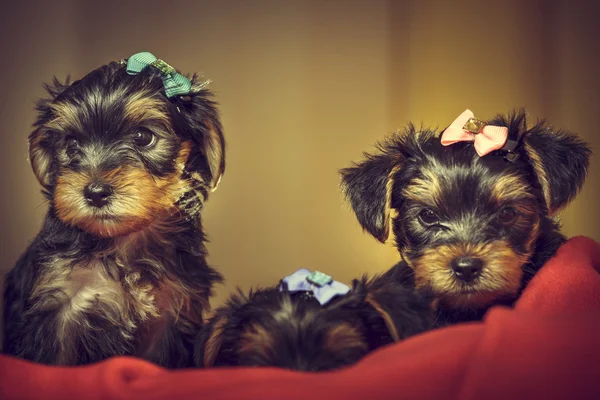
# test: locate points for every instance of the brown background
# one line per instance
(305, 87)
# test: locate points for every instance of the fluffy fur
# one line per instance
(448, 208)
(119, 266)
(269, 327)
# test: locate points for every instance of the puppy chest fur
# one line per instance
(126, 286)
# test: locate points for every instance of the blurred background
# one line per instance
(304, 88)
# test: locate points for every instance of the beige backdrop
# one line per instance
(305, 87)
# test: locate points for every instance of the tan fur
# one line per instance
(138, 198)
(535, 233)
(143, 107)
(509, 187)
(256, 339)
(426, 190)
(171, 300)
(214, 152)
(213, 344)
(388, 215)
(538, 167)
(343, 337)
(387, 319)
(39, 158)
(286, 311)
(501, 275)
(214, 155)
(66, 116)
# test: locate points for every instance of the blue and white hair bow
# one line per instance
(321, 285)
(175, 84)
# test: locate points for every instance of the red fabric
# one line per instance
(548, 347)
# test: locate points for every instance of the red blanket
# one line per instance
(548, 347)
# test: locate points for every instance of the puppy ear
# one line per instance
(560, 162)
(202, 125)
(367, 185)
(40, 140)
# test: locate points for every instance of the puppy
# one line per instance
(300, 328)
(126, 157)
(473, 211)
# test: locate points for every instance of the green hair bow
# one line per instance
(175, 84)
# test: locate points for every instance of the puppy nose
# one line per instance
(467, 268)
(97, 194)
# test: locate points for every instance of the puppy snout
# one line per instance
(98, 194)
(467, 268)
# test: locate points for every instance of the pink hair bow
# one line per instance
(466, 127)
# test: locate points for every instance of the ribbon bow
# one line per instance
(322, 286)
(175, 84)
(466, 127)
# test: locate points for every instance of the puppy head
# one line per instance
(466, 224)
(269, 328)
(113, 153)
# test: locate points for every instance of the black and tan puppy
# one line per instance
(296, 329)
(473, 211)
(126, 157)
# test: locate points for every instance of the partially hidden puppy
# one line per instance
(126, 157)
(311, 324)
(473, 211)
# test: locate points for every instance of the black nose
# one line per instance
(97, 194)
(467, 268)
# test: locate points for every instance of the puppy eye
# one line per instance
(427, 217)
(507, 215)
(144, 138)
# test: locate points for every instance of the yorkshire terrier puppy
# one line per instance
(126, 157)
(473, 211)
(308, 325)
